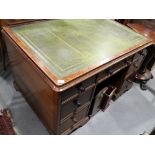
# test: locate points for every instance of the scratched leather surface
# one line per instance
(66, 46)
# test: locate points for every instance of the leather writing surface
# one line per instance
(67, 46)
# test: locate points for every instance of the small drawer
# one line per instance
(119, 66)
(102, 76)
(86, 83)
(113, 69)
(141, 54)
(74, 118)
(138, 59)
(72, 105)
(78, 89)
(69, 94)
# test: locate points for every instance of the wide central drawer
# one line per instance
(114, 69)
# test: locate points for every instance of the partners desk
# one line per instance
(70, 69)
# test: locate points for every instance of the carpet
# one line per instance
(6, 125)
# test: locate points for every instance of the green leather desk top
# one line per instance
(67, 46)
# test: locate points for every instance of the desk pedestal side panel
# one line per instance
(32, 84)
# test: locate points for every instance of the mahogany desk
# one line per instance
(69, 69)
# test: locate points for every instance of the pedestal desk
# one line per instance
(70, 69)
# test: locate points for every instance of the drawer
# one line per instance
(141, 54)
(77, 102)
(113, 69)
(76, 90)
(102, 76)
(69, 94)
(135, 66)
(86, 83)
(75, 118)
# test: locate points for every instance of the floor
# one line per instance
(132, 114)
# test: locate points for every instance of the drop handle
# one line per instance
(77, 103)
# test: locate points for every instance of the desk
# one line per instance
(61, 67)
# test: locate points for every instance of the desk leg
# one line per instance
(144, 73)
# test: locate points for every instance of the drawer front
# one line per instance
(69, 94)
(139, 57)
(113, 69)
(76, 103)
(135, 66)
(86, 83)
(76, 90)
(140, 54)
(74, 119)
